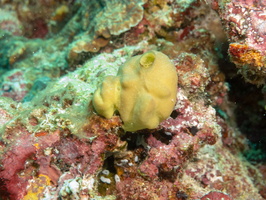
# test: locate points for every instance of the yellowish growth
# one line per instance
(243, 55)
(106, 98)
(143, 92)
(60, 13)
(147, 60)
(36, 187)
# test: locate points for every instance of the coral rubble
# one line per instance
(55, 54)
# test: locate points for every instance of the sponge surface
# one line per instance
(143, 92)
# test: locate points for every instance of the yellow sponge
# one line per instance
(143, 92)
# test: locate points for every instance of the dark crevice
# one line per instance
(249, 111)
(193, 130)
(161, 136)
(174, 114)
(109, 164)
(135, 140)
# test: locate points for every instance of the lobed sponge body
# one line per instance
(143, 92)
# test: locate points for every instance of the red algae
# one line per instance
(245, 27)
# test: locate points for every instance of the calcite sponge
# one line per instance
(143, 91)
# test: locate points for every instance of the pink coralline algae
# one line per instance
(9, 22)
(51, 155)
(14, 86)
(5, 117)
(247, 20)
(216, 196)
(245, 25)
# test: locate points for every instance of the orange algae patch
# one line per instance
(97, 124)
(243, 54)
(41, 133)
(36, 146)
(36, 187)
(60, 13)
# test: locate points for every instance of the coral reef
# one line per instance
(111, 19)
(54, 55)
(244, 23)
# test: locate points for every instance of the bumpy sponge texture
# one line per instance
(143, 92)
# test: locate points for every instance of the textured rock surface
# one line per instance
(53, 144)
(246, 29)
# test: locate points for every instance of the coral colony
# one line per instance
(133, 100)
